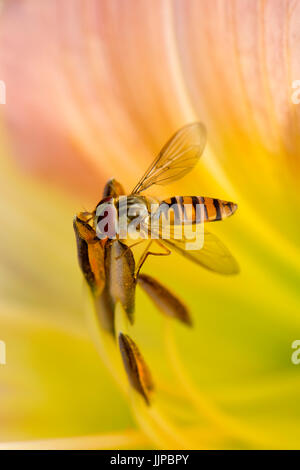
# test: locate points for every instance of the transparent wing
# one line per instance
(214, 255)
(179, 155)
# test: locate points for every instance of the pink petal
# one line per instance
(95, 88)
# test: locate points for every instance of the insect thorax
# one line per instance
(122, 216)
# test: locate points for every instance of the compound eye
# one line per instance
(106, 219)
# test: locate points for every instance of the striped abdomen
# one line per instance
(196, 209)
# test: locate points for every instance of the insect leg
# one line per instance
(129, 248)
(142, 259)
(167, 251)
(147, 253)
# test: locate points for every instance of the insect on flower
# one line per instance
(106, 258)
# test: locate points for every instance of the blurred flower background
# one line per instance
(93, 90)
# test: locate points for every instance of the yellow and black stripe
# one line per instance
(196, 209)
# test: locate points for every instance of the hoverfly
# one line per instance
(108, 263)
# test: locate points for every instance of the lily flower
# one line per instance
(93, 90)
